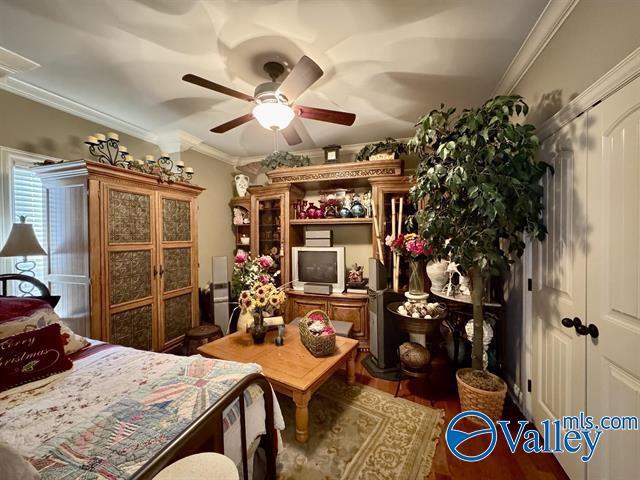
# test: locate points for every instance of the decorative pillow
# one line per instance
(14, 307)
(42, 318)
(31, 356)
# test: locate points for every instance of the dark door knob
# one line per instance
(582, 329)
(576, 323)
(593, 331)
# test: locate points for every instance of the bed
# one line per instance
(125, 413)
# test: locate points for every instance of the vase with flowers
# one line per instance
(260, 301)
(248, 272)
(417, 251)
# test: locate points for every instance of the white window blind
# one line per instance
(28, 200)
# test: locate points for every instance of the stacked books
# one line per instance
(357, 287)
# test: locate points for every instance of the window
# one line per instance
(21, 193)
(28, 200)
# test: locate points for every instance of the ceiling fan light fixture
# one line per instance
(273, 115)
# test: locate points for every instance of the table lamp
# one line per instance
(22, 242)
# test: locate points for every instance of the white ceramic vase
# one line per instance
(242, 184)
(244, 320)
(437, 273)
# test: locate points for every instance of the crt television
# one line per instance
(323, 265)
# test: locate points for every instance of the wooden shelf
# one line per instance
(331, 221)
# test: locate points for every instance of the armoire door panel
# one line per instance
(133, 328)
(131, 276)
(129, 217)
(177, 258)
(177, 268)
(130, 265)
(177, 317)
(176, 220)
(559, 285)
(613, 287)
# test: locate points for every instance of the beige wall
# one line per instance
(595, 37)
(33, 127)
(215, 235)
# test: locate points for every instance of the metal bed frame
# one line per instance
(204, 434)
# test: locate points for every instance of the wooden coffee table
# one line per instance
(291, 369)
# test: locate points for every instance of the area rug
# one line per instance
(359, 432)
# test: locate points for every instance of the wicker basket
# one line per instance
(318, 345)
(485, 401)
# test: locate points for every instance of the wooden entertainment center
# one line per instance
(274, 229)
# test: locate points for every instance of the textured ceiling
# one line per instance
(387, 61)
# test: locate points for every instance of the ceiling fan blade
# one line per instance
(236, 122)
(304, 74)
(322, 115)
(203, 82)
(291, 135)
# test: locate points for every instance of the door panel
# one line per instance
(177, 269)
(354, 312)
(133, 328)
(130, 275)
(614, 278)
(177, 317)
(300, 306)
(559, 288)
(129, 259)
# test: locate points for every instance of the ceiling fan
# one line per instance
(274, 100)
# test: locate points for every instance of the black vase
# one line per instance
(258, 329)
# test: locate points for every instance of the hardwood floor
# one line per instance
(441, 393)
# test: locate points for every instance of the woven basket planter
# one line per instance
(318, 345)
(485, 401)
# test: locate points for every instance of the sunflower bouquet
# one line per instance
(262, 300)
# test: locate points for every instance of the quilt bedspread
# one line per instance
(115, 410)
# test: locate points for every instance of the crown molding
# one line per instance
(12, 63)
(624, 72)
(548, 23)
(46, 97)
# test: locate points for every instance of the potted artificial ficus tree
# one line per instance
(479, 183)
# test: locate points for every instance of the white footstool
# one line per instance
(202, 466)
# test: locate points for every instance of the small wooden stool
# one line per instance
(199, 336)
(202, 466)
(414, 362)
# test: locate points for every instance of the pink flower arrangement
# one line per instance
(264, 278)
(409, 245)
(240, 258)
(265, 262)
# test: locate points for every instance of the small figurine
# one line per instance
(366, 203)
(356, 273)
(238, 218)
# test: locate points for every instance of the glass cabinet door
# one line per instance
(270, 231)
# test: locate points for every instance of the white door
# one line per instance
(559, 286)
(613, 368)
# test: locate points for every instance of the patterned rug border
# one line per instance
(376, 403)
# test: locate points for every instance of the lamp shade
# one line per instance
(273, 115)
(22, 241)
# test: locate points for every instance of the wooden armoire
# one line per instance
(122, 253)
